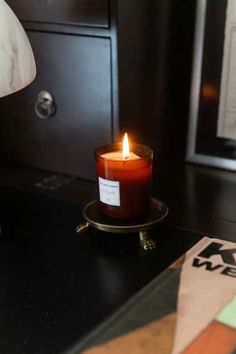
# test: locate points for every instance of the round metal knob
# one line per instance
(45, 106)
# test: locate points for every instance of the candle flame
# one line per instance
(125, 147)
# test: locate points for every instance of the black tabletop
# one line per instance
(55, 285)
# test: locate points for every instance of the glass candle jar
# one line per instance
(124, 184)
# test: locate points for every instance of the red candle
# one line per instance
(124, 179)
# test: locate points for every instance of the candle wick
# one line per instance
(125, 158)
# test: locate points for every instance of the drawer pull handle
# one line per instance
(45, 106)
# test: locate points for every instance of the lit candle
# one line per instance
(124, 179)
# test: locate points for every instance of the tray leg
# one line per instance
(146, 242)
(82, 227)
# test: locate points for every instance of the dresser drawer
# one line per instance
(77, 71)
(72, 12)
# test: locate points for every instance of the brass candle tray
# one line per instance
(94, 218)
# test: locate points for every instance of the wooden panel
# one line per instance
(155, 58)
(80, 12)
(76, 70)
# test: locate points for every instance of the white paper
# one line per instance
(109, 191)
(226, 127)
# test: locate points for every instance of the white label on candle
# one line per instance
(109, 191)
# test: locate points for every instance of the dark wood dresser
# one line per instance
(100, 60)
(110, 66)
